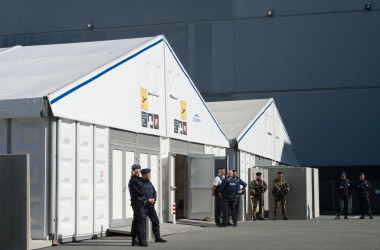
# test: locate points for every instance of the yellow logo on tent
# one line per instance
(183, 110)
(144, 99)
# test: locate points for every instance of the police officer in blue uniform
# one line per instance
(229, 189)
(344, 188)
(138, 198)
(150, 211)
(363, 187)
(241, 183)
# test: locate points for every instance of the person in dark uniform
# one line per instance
(241, 184)
(279, 191)
(257, 189)
(344, 188)
(363, 187)
(137, 193)
(215, 191)
(150, 211)
(229, 189)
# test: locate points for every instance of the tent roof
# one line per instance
(36, 71)
(234, 116)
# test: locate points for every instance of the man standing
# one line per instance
(150, 211)
(257, 189)
(344, 191)
(229, 189)
(280, 190)
(241, 185)
(363, 187)
(137, 191)
(216, 184)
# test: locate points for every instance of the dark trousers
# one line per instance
(218, 212)
(229, 207)
(343, 199)
(365, 206)
(150, 211)
(139, 221)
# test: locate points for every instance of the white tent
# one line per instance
(257, 128)
(61, 103)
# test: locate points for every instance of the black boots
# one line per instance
(159, 239)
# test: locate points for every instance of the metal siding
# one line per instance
(148, 141)
(101, 178)
(66, 178)
(31, 136)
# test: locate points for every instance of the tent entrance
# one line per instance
(180, 179)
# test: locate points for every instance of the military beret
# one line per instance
(145, 171)
(279, 172)
(258, 174)
(135, 167)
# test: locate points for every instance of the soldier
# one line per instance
(344, 192)
(216, 184)
(150, 211)
(242, 185)
(137, 191)
(363, 187)
(257, 189)
(229, 189)
(280, 190)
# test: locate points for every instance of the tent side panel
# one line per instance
(3, 136)
(66, 178)
(85, 179)
(101, 177)
(30, 136)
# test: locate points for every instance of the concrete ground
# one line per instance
(322, 233)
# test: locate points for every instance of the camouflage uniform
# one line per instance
(257, 189)
(280, 189)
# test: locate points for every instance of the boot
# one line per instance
(159, 239)
(285, 218)
(371, 217)
(337, 217)
(362, 217)
(142, 242)
(134, 241)
(345, 217)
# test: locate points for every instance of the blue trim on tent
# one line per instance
(192, 85)
(105, 71)
(255, 121)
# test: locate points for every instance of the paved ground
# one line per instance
(323, 233)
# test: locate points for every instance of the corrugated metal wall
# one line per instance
(320, 60)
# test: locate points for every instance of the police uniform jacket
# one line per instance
(230, 187)
(136, 189)
(363, 187)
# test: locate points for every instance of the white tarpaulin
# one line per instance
(136, 85)
(257, 127)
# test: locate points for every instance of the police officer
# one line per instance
(229, 189)
(150, 211)
(242, 185)
(344, 188)
(280, 190)
(257, 189)
(216, 184)
(363, 187)
(137, 193)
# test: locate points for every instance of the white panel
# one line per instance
(66, 178)
(208, 149)
(215, 151)
(316, 192)
(144, 160)
(3, 136)
(155, 179)
(30, 136)
(117, 184)
(101, 177)
(85, 179)
(222, 152)
(309, 193)
(129, 161)
(201, 126)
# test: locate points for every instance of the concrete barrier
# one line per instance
(14, 196)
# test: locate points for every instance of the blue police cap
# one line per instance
(135, 166)
(145, 171)
(361, 173)
(343, 174)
